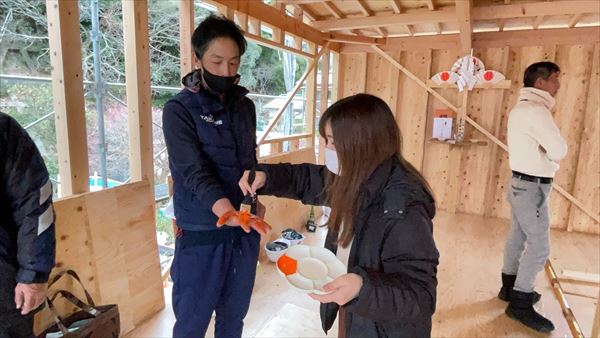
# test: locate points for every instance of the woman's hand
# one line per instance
(259, 181)
(342, 290)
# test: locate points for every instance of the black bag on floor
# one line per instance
(91, 321)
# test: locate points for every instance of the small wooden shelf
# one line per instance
(470, 142)
(504, 84)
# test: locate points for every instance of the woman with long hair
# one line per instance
(381, 212)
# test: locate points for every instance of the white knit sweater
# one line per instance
(530, 125)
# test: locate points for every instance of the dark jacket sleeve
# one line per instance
(29, 192)
(304, 182)
(186, 156)
(406, 286)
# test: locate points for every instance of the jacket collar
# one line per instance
(376, 182)
(538, 96)
(208, 99)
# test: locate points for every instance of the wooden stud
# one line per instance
(139, 99)
(382, 31)
(291, 95)
(438, 27)
(501, 25)
(324, 99)
(254, 26)
(410, 30)
(186, 28)
(574, 20)
(335, 77)
(242, 20)
(67, 88)
(310, 113)
(463, 12)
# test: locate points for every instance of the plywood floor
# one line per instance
(469, 278)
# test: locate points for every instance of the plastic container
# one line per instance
(292, 237)
(276, 249)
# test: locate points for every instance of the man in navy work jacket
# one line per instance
(210, 131)
(27, 243)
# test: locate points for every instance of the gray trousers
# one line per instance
(528, 243)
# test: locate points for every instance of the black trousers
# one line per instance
(12, 323)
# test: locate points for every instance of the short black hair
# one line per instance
(213, 27)
(539, 69)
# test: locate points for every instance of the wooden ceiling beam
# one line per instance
(387, 19)
(574, 20)
(337, 37)
(463, 12)
(535, 9)
(273, 17)
(332, 8)
(308, 12)
(396, 6)
(538, 21)
(518, 38)
(300, 2)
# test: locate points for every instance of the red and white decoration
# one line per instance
(467, 72)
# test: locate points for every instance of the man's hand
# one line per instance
(29, 296)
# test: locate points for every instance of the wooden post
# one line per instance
(596, 325)
(67, 88)
(324, 99)
(186, 29)
(311, 96)
(139, 100)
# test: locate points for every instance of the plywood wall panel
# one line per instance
(587, 178)
(382, 78)
(569, 114)
(441, 163)
(484, 107)
(354, 68)
(411, 106)
(109, 238)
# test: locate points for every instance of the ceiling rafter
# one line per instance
(396, 6)
(574, 20)
(332, 8)
(430, 5)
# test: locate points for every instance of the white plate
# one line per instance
(308, 268)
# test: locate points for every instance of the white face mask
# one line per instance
(331, 161)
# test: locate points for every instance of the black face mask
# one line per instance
(219, 84)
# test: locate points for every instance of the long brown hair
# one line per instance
(365, 134)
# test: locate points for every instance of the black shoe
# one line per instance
(521, 309)
(508, 282)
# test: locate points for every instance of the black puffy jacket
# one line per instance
(393, 248)
(27, 235)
